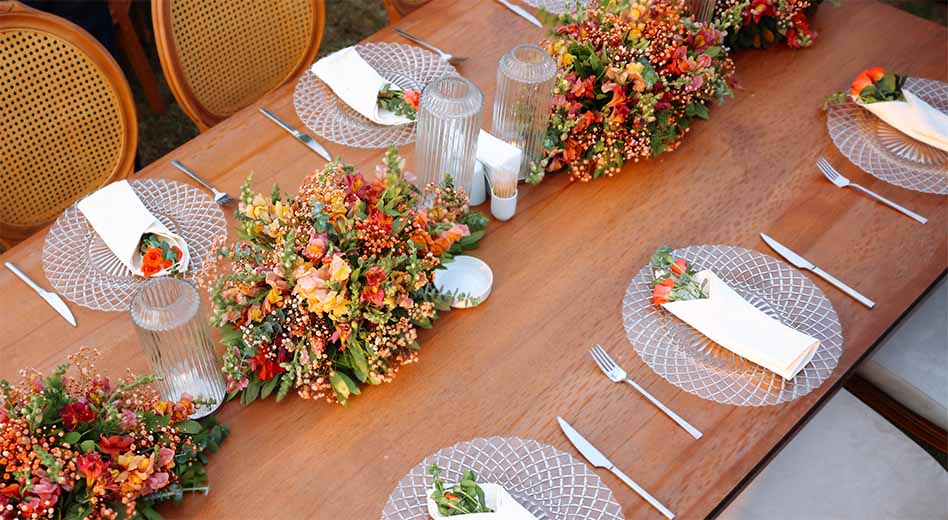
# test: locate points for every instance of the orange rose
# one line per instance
(862, 81)
(875, 73)
(413, 97)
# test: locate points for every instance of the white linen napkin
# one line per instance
(497, 498)
(730, 321)
(498, 155)
(357, 84)
(914, 118)
(120, 219)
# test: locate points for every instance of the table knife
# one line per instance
(51, 298)
(311, 143)
(597, 459)
(522, 12)
(803, 263)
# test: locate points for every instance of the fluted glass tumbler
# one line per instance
(523, 102)
(449, 119)
(172, 325)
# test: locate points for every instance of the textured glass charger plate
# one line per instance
(407, 66)
(886, 153)
(556, 6)
(551, 484)
(83, 269)
(692, 362)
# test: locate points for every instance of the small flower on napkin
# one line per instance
(674, 279)
(472, 500)
(399, 102)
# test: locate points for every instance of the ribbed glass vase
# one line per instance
(450, 115)
(524, 98)
(172, 325)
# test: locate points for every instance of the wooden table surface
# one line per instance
(561, 268)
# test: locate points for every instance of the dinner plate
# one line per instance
(551, 484)
(84, 270)
(886, 153)
(692, 362)
(408, 66)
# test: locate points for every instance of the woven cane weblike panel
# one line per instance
(83, 269)
(886, 153)
(63, 127)
(692, 362)
(407, 66)
(232, 52)
(549, 483)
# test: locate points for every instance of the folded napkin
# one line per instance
(357, 84)
(497, 498)
(730, 321)
(914, 118)
(498, 155)
(120, 219)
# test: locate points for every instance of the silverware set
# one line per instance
(842, 182)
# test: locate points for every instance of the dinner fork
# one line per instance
(450, 58)
(221, 198)
(837, 178)
(615, 373)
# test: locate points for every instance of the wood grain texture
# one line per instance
(561, 268)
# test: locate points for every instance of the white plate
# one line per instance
(467, 277)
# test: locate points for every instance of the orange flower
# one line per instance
(413, 97)
(875, 73)
(862, 81)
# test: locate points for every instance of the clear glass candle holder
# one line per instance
(450, 115)
(172, 325)
(524, 99)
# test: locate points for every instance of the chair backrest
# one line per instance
(399, 8)
(222, 55)
(67, 119)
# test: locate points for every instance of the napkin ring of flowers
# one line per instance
(326, 290)
(80, 446)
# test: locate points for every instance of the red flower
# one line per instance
(412, 97)
(10, 490)
(267, 366)
(660, 294)
(679, 266)
(757, 10)
(115, 444)
(91, 466)
(76, 413)
(380, 220)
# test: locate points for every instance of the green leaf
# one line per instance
(337, 380)
(268, 387)
(87, 445)
(189, 427)
(71, 438)
(358, 362)
(714, 51)
(147, 511)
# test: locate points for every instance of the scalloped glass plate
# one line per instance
(81, 267)
(551, 484)
(407, 66)
(556, 6)
(886, 153)
(692, 362)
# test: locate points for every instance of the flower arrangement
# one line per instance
(463, 498)
(870, 86)
(764, 23)
(674, 280)
(77, 447)
(633, 75)
(158, 255)
(399, 102)
(326, 290)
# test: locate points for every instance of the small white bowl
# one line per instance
(465, 275)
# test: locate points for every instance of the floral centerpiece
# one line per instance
(764, 23)
(326, 290)
(79, 447)
(633, 75)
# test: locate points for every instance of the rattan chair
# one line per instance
(67, 119)
(399, 8)
(221, 55)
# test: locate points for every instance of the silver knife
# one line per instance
(597, 459)
(311, 143)
(803, 263)
(51, 298)
(522, 12)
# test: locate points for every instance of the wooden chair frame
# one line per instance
(174, 74)
(14, 14)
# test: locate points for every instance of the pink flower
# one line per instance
(46, 491)
(127, 420)
(165, 458)
(315, 249)
(155, 482)
(703, 61)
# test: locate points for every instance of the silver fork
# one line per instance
(450, 58)
(220, 197)
(837, 178)
(615, 373)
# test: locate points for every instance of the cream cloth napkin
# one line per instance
(730, 321)
(498, 155)
(357, 84)
(914, 118)
(120, 219)
(497, 498)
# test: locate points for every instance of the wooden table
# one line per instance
(561, 268)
